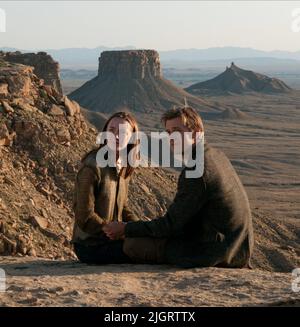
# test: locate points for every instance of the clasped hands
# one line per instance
(114, 230)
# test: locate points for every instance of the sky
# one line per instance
(161, 25)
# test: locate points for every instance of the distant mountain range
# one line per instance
(87, 58)
(220, 53)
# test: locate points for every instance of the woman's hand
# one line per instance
(115, 230)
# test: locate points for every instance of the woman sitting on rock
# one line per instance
(101, 193)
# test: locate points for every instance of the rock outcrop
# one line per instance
(40, 133)
(44, 66)
(238, 80)
(132, 64)
(27, 96)
(133, 79)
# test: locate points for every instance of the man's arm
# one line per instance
(191, 195)
(85, 215)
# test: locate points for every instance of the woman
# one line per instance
(101, 194)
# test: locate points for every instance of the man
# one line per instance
(209, 222)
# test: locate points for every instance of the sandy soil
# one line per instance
(37, 282)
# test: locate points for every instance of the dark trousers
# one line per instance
(107, 253)
(147, 250)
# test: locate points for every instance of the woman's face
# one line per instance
(120, 133)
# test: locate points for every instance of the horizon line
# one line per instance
(131, 47)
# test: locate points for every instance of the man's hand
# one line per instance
(115, 230)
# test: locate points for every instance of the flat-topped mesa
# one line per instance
(133, 79)
(137, 64)
(44, 66)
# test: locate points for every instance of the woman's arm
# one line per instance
(85, 216)
(127, 214)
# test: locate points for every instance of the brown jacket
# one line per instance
(100, 196)
(209, 222)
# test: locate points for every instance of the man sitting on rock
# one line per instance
(209, 222)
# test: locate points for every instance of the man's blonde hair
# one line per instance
(189, 116)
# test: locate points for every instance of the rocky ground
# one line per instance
(42, 136)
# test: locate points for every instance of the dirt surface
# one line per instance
(33, 282)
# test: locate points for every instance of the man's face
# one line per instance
(183, 135)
